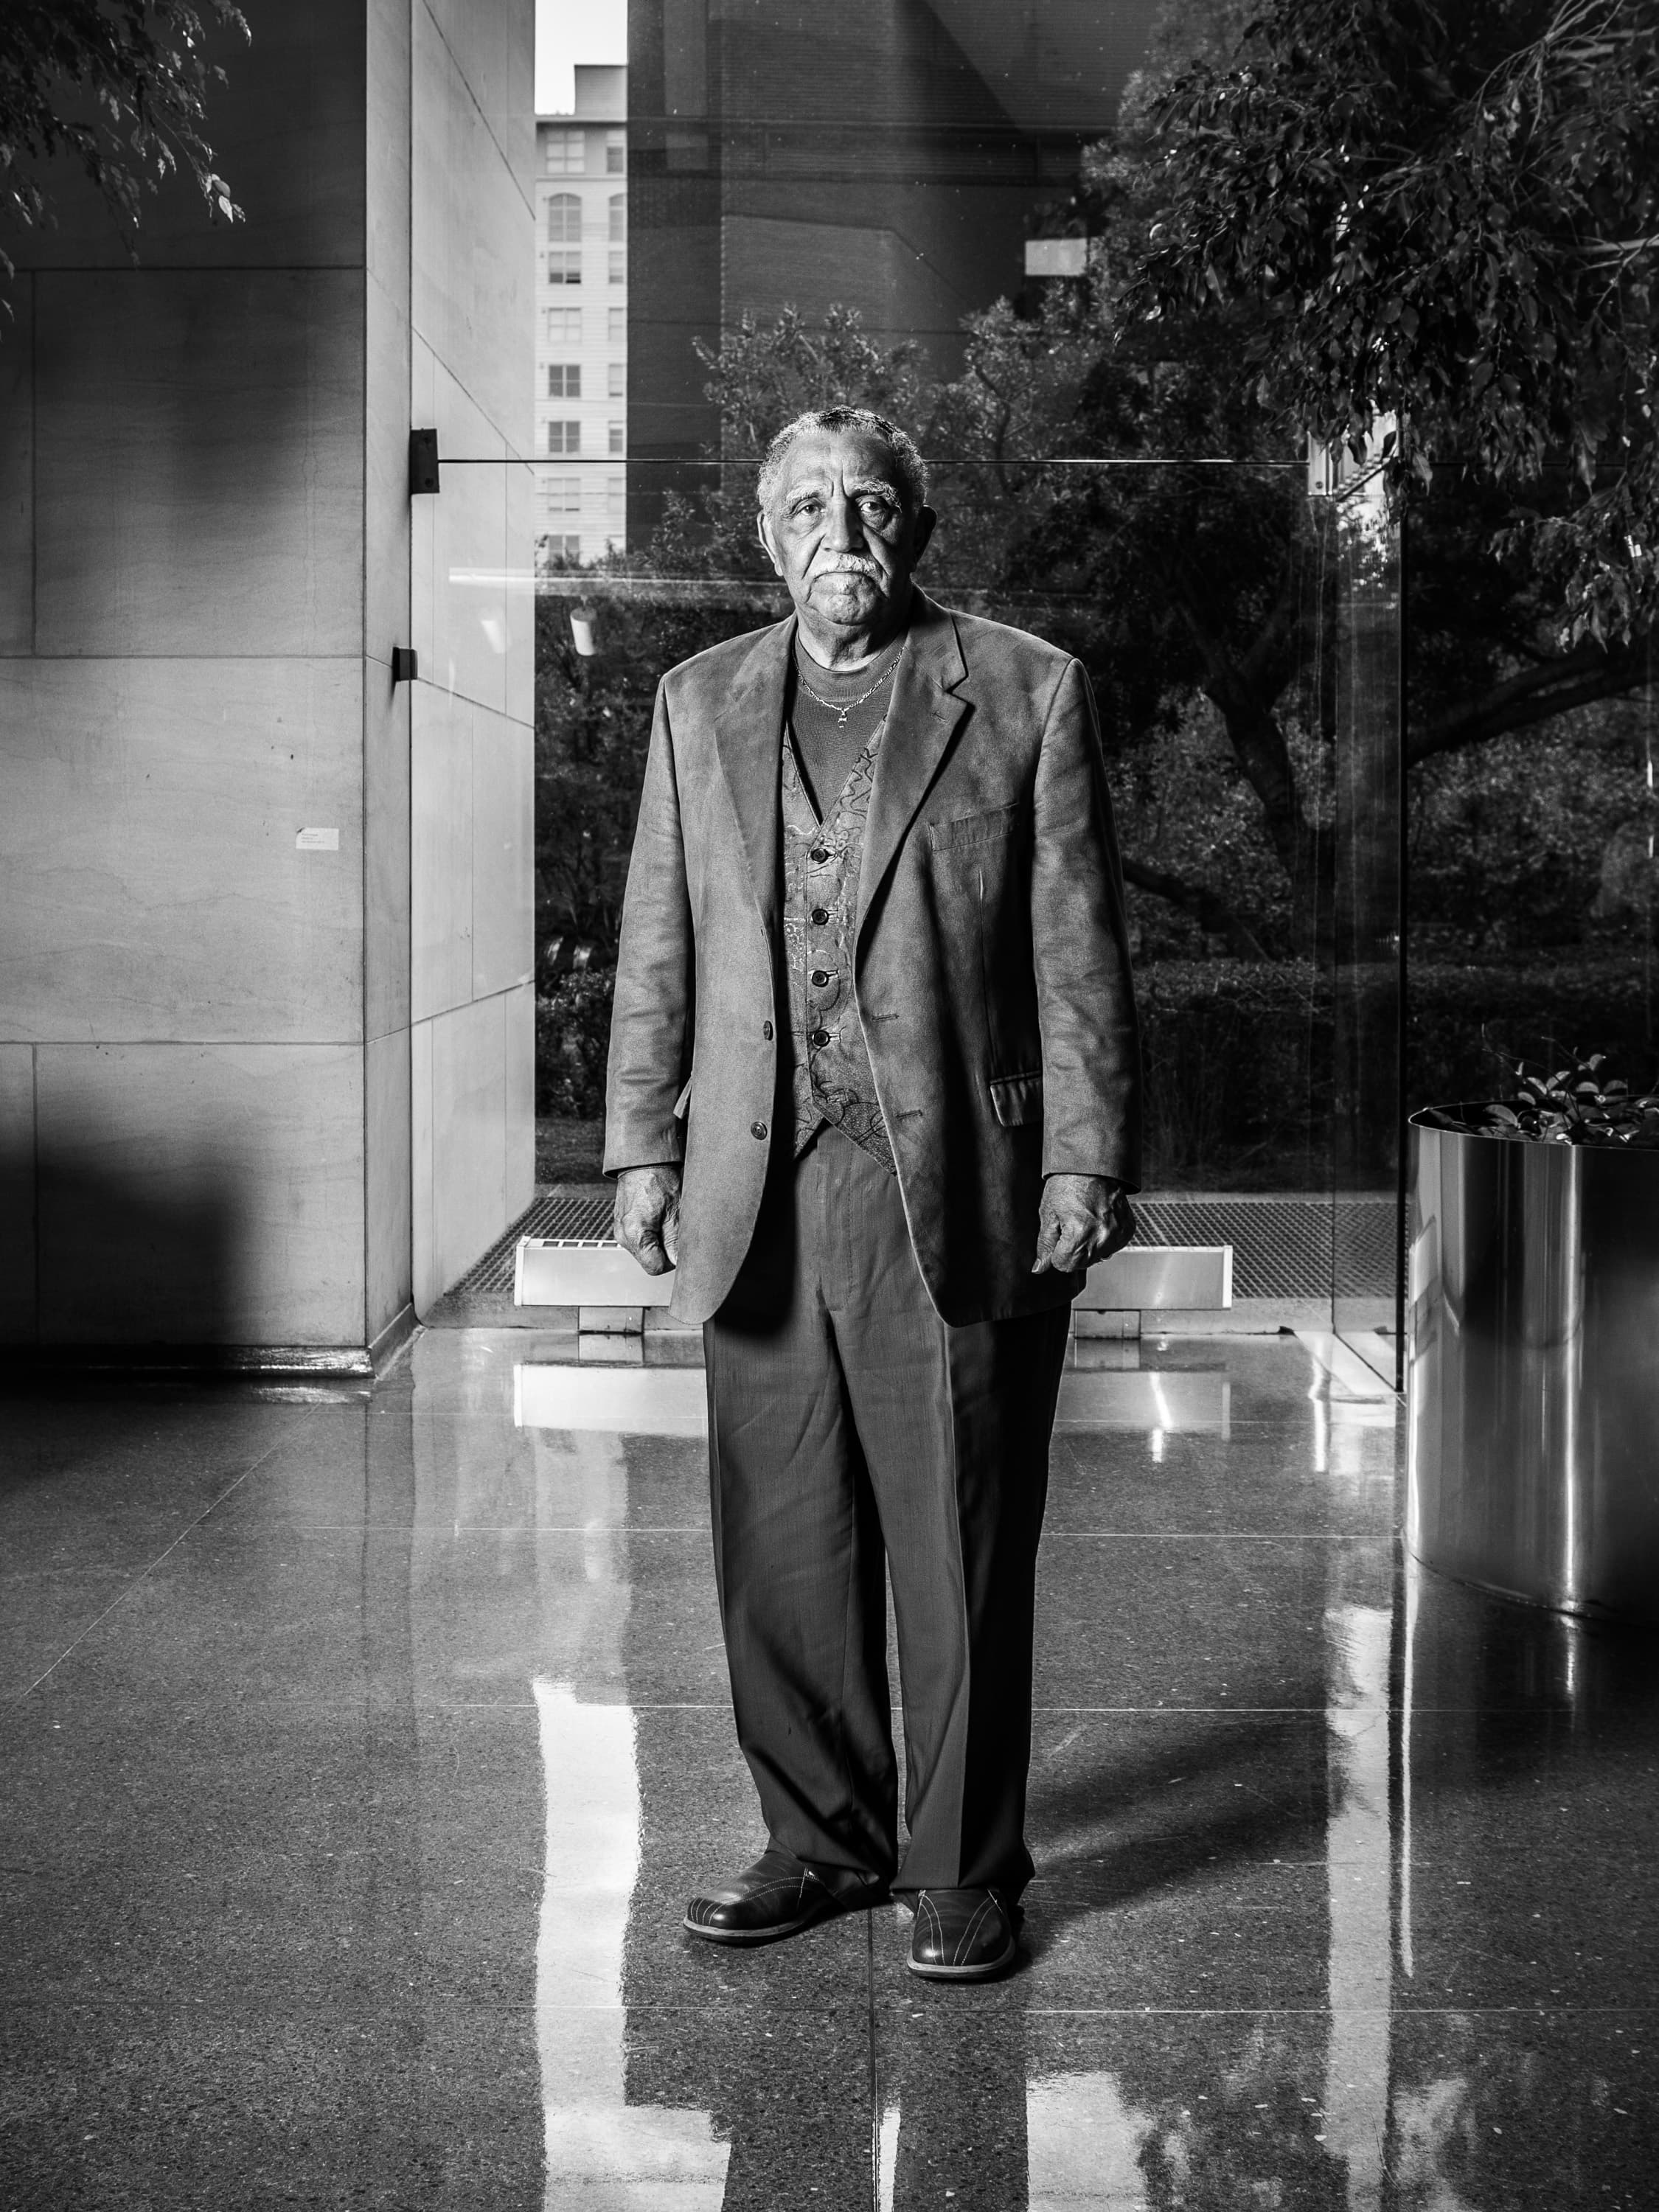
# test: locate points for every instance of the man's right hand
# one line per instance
(647, 1216)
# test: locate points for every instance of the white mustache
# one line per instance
(847, 564)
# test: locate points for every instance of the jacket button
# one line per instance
(819, 854)
(766, 1031)
(820, 976)
(819, 1037)
(820, 914)
(758, 1129)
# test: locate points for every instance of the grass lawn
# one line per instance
(569, 1151)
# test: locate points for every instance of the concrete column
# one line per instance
(473, 994)
(209, 922)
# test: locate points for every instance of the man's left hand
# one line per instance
(1082, 1218)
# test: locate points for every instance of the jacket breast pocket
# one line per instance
(970, 831)
(1017, 1100)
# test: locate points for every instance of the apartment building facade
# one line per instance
(581, 323)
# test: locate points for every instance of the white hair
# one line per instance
(912, 469)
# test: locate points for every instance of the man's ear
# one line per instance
(764, 532)
(923, 530)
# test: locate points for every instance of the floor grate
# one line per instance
(1283, 1247)
(560, 1212)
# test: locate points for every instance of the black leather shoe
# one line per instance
(962, 1935)
(777, 1896)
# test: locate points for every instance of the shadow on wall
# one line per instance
(101, 1256)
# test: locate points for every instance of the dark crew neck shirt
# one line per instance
(824, 749)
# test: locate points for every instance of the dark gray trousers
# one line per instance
(847, 1422)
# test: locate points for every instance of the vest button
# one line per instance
(819, 1037)
(820, 976)
(819, 854)
(820, 914)
(758, 1129)
(766, 1031)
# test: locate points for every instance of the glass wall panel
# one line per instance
(1366, 943)
(1530, 818)
(916, 208)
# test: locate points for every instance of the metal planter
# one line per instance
(1534, 1370)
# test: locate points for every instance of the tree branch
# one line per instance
(1533, 694)
(1212, 913)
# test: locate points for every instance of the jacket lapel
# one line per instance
(921, 724)
(749, 739)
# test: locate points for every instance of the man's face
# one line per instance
(838, 533)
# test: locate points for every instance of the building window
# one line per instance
(618, 325)
(618, 268)
(563, 326)
(616, 153)
(615, 380)
(615, 498)
(564, 380)
(618, 218)
(564, 265)
(562, 546)
(564, 219)
(618, 440)
(567, 152)
(564, 438)
(561, 496)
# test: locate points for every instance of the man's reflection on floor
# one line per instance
(955, 2104)
(1490, 1776)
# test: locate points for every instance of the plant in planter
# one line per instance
(1576, 1105)
(1534, 1342)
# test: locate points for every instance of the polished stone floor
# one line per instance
(361, 1748)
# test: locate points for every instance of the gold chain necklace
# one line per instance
(841, 712)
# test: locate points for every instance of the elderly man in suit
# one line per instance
(873, 1090)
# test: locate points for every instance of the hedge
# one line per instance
(1238, 1053)
(1466, 1027)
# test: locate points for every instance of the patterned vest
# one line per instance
(830, 1067)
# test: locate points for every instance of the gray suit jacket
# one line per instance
(991, 962)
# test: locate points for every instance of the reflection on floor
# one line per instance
(364, 1745)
